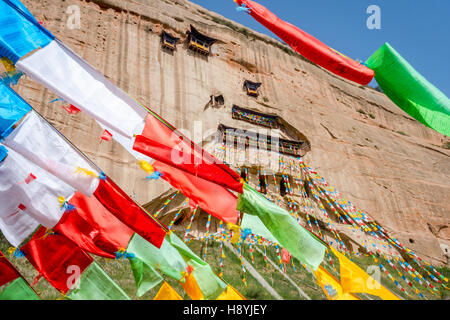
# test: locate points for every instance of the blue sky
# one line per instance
(418, 29)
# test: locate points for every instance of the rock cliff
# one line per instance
(385, 162)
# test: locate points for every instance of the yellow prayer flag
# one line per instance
(354, 279)
(231, 293)
(331, 286)
(166, 292)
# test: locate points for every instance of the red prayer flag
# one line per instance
(56, 258)
(116, 201)
(162, 142)
(93, 228)
(212, 198)
(107, 136)
(308, 46)
(8, 272)
(71, 109)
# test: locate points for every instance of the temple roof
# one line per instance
(194, 32)
(254, 85)
(169, 36)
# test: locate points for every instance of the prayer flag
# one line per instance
(116, 201)
(214, 199)
(409, 90)
(288, 232)
(18, 289)
(55, 257)
(308, 46)
(166, 292)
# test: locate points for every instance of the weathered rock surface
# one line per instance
(381, 159)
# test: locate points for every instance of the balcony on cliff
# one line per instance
(168, 41)
(199, 42)
(252, 88)
(254, 140)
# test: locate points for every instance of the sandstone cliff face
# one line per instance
(381, 159)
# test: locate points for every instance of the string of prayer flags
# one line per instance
(43, 145)
(308, 46)
(92, 93)
(69, 269)
(409, 90)
(355, 280)
(166, 292)
(96, 230)
(297, 240)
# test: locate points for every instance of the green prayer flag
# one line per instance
(165, 259)
(172, 259)
(18, 290)
(145, 276)
(95, 284)
(209, 283)
(409, 90)
(286, 230)
(257, 227)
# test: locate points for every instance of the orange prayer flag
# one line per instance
(166, 292)
(192, 288)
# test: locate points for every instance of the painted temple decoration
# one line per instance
(252, 88)
(255, 117)
(199, 42)
(168, 41)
